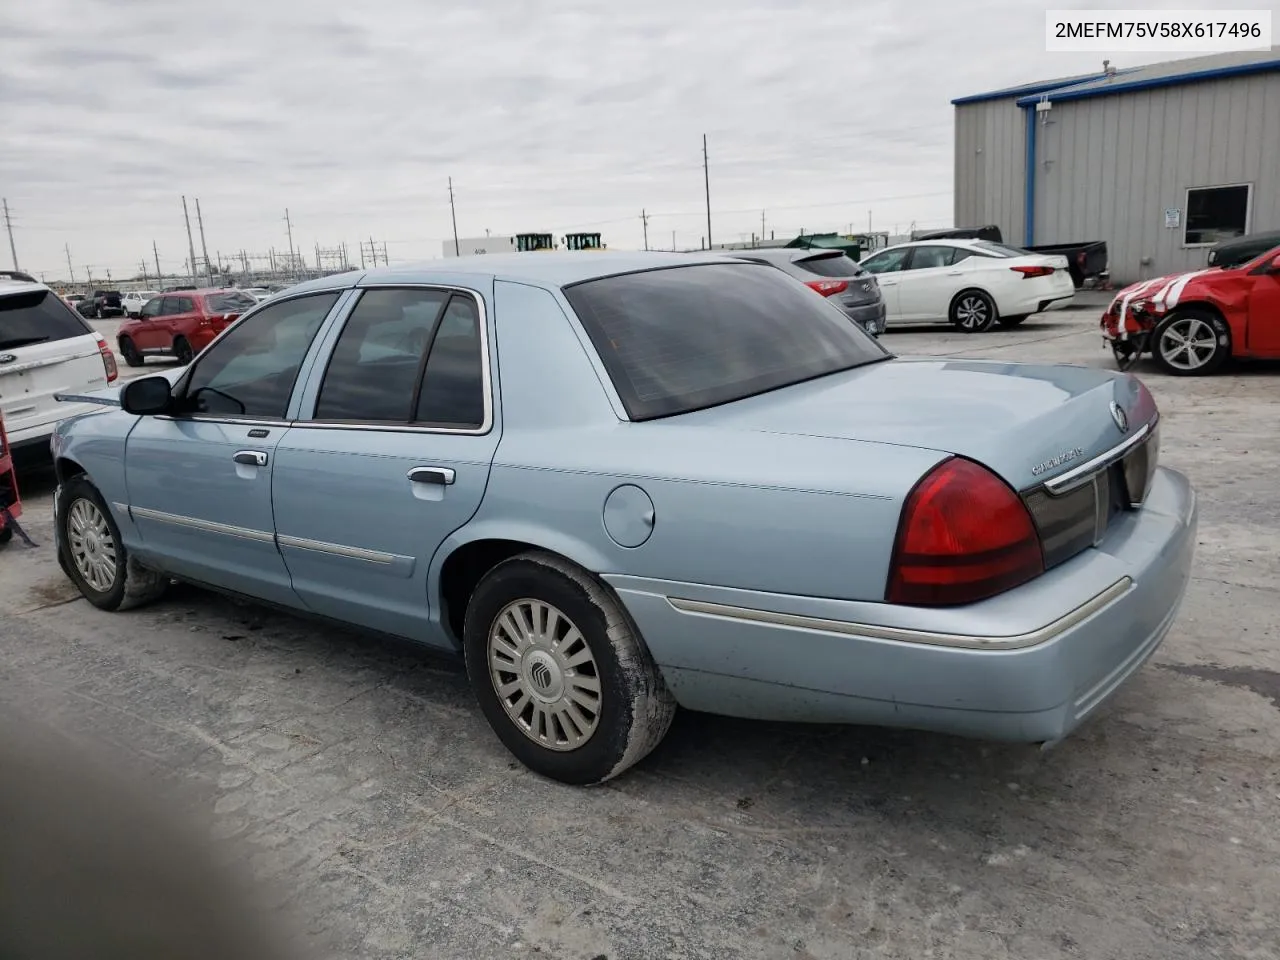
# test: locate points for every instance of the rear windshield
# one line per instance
(233, 302)
(837, 266)
(37, 317)
(684, 338)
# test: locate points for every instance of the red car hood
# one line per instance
(1164, 292)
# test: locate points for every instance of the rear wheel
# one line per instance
(95, 558)
(973, 311)
(1190, 343)
(182, 350)
(1012, 321)
(561, 673)
(130, 353)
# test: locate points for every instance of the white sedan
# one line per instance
(974, 284)
(133, 301)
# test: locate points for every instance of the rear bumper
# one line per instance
(28, 436)
(870, 316)
(1027, 666)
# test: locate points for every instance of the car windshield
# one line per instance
(684, 338)
(1000, 249)
(36, 317)
(233, 302)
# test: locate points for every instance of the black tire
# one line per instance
(634, 708)
(130, 353)
(1191, 327)
(6, 534)
(1126, 353)
(182, 350)
(130, 584)
(97, 313)
(1010, 322)
(973, 311)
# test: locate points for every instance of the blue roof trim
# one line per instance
(1027, 89)
(1151, 83)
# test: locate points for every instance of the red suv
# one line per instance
(180, 324)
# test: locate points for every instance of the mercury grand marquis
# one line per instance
(623, 483)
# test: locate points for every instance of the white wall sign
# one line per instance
(1172, 218)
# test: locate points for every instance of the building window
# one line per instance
(1216, 213)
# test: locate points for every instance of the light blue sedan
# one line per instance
(619, 483)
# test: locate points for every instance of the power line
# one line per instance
(8, 225)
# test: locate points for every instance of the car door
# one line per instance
(149, 334)
(390, 454)
(1263, 334)
(930, 280)
(887, 266)
(180, 322)
(199, 481)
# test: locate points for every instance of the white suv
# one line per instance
(45, 348)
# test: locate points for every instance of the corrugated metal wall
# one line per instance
(1108, 167)
(990, 156)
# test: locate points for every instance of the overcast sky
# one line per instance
(555, 115)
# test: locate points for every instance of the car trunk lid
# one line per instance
(1028, 423)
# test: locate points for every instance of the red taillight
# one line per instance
(1030, 272)
(964, 536)
(828, 288)
(108, 358)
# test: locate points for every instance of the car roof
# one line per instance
(9, 287)
(539, 268)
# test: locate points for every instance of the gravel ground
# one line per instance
(354, 782)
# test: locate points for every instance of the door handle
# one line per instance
(955, 273)
(440, 476)
(251, 458)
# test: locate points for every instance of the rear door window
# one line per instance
(926, 258)
(38, 316)
(186, 305)
(233, 302)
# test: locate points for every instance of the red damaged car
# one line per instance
(1192, 322)
(180, 324)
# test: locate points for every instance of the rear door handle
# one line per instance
(251, 458)
(440, 476)
(955, 273)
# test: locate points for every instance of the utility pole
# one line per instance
(762, 226)
(156, 252)
(204, 247)
(453, 213)
(143, 263)
(868, 222)
(673, 241)
(70, 269)
(706, 180)
(8, 225)
(644, 219)
(108, 276)
(191, 244)
(293, 263)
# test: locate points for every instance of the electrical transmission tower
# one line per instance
(332, 259)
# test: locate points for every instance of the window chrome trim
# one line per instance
(486, 376)
(207, 526)
(339, 550)
(1049, 631)
(1065, 482)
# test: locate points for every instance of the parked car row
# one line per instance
(180, 325)
(682, 481)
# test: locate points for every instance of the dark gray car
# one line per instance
(831, 274)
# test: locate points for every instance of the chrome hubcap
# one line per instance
(544, 674)
(1188, 343)
(971, 312)
(93, 550)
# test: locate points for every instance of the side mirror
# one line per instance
(147, 396)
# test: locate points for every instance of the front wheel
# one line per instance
(562, 675)
(130, 353)
(973, 311)
(93, 555)
(1191, 343)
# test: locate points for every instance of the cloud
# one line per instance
(547, 115)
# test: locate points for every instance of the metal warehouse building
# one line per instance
(1159, 161)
